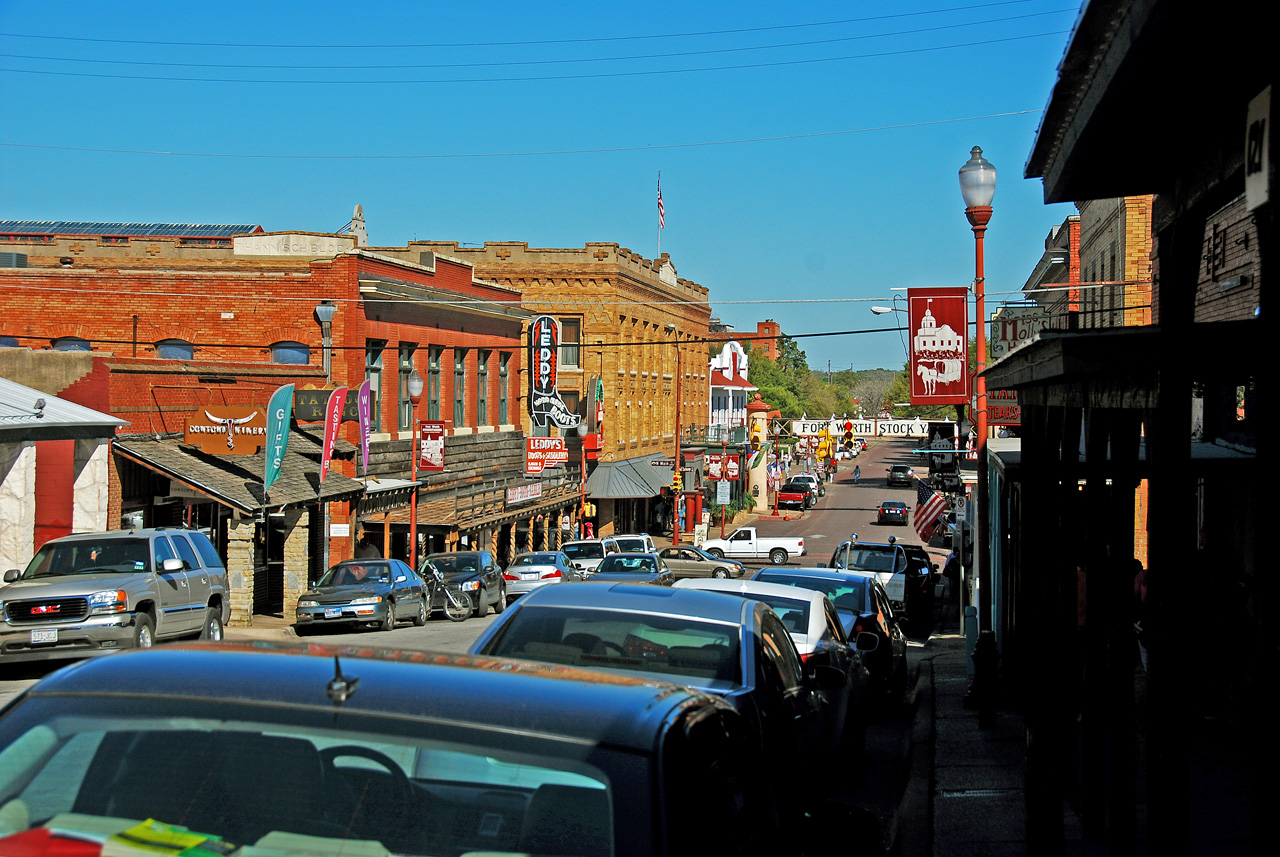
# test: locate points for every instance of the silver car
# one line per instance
(585, 554)
(529, 571)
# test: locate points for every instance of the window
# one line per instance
(405, 410)
(482, 388)
(175, 349)
(290, 353)
(373, 374)
(70, 343)
(433, 382)
(459, 387)
(570, 340)
(504, 362)
(571, 400)
(113, 240)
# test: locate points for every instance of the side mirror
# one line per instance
(866, 642)
(400, 579)
(172, 565)
(11, 575)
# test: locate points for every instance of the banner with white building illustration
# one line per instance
(939, 328)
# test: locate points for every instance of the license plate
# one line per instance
(529, 575)
(332, 612)
(49, 635)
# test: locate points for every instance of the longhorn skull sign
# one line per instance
(227, 430)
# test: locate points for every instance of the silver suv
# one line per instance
(95, 593)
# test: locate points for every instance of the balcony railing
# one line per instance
(714, 434)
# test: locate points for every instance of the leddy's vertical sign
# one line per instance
(545, 404)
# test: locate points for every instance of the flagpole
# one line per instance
(661, 217)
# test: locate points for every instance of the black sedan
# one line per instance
(379, 592)
(297, 748)
(862, 605)
(735, 648)
(892, 512)
(475, 573)
(633, 568)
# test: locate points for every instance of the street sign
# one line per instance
(960, 510)
(663, 462)
(722, 493)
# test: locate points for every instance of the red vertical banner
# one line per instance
(938, 322)
(431, 446)
(332, 420)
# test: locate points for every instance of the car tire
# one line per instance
(721, 573)
(501, 603)
(144, 631)
(716, 552)
(778, 556)
(421, 618)
(482, 603)
(212, 628)
(389, 621)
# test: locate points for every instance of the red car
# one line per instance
(892, 512)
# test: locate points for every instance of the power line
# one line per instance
(535, 42)
(526, 154)
(543, 62)
(538, 78)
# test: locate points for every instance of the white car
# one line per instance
(814, 480)
(635, 543)
(585, 554)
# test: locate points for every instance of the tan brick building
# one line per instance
(624, 319)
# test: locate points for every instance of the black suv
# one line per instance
(475, 573)
(900, 474)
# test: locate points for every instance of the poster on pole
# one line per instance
(431, 446)
(938, 321)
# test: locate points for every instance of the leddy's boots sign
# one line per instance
(545, 404)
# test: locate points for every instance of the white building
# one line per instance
(730, 389)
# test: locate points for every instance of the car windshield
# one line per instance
(620, 564)
(847, 595)
(89, 556)
(901, 469)
(631, 545)
(451, 564)
(678, 645)
(534, 559)
(587, 550)
(793, 612)
(356, 574)
(284, 780)
(866, 559)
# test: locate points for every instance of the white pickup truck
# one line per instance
(743, 543)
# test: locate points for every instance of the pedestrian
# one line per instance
(366, 549)
(857, 473)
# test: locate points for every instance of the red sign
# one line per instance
(543, 452)
(1002, 408)
(939, 329)
(724, 466)
(431, 446)
(332, 422)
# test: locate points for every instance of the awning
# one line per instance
(632, 478)
(236, 480)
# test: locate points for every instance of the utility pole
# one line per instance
(679, 479)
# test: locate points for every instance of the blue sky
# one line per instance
(809, 151)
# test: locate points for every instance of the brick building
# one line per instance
(185, 327)
(623, 319)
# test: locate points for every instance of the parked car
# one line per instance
(97, 593)
(294, 748)
(689, 562)
(863, 606)
(528, 571)
(860, 443)
(737, 649)
(377, 592)
(798, 494)
(820, 639)
(886, 560)
(892, 512)
(900, 474)
(745, 543)
(586, 554)
(475, 573)
(635, 543)
(813, 479)
(633, 568)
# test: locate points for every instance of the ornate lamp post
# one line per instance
(415, 449)
(978, 186)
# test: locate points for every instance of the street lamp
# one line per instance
(324, 314)
(881, 310)
(583, 430)
(414, 383)
(978, 186)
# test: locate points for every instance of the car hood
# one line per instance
(352, 591)
(70, 585)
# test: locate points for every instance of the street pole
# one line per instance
(777, 470)
(724, 469)
(675, 516)
(415, 448)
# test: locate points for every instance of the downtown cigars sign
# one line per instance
(332, 422)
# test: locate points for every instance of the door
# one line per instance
(199, 579)
(173, 613)
(742, 543)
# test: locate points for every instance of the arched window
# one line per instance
(71, 343)
(292, 353)
(175, 349)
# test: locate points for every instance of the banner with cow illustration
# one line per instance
(938, 324)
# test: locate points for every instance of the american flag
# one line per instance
(662, 212)
(929, 508)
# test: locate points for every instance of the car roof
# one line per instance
(749, 588)
(642, 598)
(443, 688)
(892, 503)
(820, 573)
(631, 536)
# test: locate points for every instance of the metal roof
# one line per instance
(56, 419)
(630, 478)
(149, 230)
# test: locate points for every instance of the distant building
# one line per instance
(730, 389)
